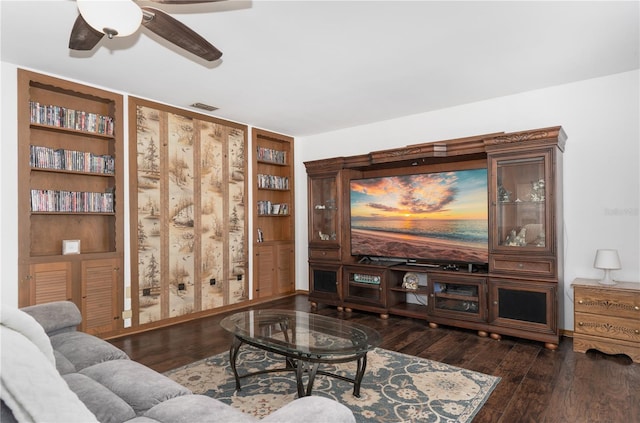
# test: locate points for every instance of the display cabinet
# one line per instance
(519, 306)
(324, 222)
(70, 154)
(325, 236)
(325, 281)
(525, 195)
(525, 236)
(324, 214)
(365, 287)
(456, 297)
(521, 214)
(273, 218)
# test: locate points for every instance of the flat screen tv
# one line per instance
(439, 217)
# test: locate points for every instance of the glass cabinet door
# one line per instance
(521, 193)
(457, 297)
(323, 210)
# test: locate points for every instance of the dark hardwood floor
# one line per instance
(537, 385)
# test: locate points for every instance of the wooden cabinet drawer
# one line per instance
(608, 303)
(607, 327)
(544, 267)
(324, 254)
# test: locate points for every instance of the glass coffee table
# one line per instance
(305, 341)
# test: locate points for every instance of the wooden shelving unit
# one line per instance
(70, 188)
(273, 214)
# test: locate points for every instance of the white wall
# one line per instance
(602, 156)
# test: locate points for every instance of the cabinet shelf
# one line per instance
(268, 162)
(72, 172)
(365, 285)
(71, 131)
(49, 257)
(274, 189)
(68, 213)
(521, 203)
(461, 297)
(419, 291)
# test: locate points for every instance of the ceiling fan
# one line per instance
(120, 18)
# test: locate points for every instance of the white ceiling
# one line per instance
(307, 67)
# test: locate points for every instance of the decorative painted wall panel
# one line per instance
(189, 210)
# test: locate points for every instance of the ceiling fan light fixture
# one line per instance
(113, 18)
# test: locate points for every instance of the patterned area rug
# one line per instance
(395, 387)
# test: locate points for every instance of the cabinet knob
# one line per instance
(580, 302)
(520, 265)
(636, 331)
(431, 295)
(580, 324)
(637, 308)
(495, 302)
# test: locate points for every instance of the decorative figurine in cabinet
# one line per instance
(325, 270)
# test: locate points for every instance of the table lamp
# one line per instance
(607, 260)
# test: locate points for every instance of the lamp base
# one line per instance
(606, 280)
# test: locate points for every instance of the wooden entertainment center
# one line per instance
(514, 294)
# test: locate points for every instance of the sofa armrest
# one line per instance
(56, 317)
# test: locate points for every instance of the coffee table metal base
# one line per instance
(300, 363)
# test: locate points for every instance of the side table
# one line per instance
(607, 317)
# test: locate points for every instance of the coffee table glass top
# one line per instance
(299, 332)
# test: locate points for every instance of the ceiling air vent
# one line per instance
(204, 107)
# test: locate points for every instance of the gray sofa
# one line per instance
(51, 372)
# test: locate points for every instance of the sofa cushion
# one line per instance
(56, 317)
(84, 350)
(107, 406)
(141, 387)
(196, 408)
(63, 365)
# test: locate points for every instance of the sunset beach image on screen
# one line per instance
(436, 217)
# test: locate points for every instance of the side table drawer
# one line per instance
(608, 303)
(607, 327)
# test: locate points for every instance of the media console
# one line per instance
(514, 294)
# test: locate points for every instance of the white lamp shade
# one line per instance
(607, 259)
(114, 17)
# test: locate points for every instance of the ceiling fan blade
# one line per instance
(179, 34)
(83, 37)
